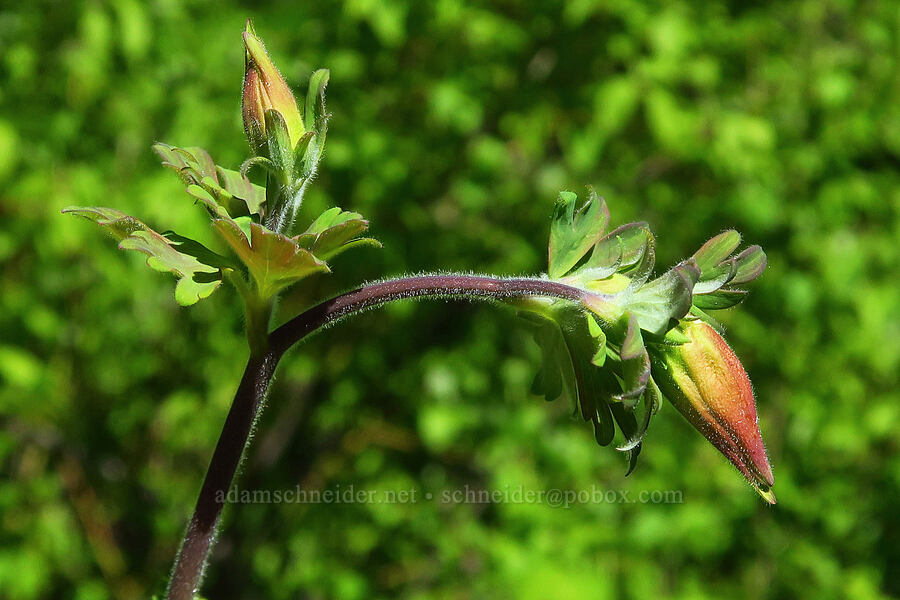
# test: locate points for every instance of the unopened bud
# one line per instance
(707, 383)
(264, 89)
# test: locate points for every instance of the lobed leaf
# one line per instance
(273, 260)
(173, 253)
(333, 232)
(222, 191)
(573, 232)
(568, 349)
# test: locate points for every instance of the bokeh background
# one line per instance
(455, 125)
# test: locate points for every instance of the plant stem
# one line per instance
(188, 571)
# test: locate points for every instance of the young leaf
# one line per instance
(333, 232)
(643, 266)
(199, 251)
(556, 376)
(573, 232)
(599, 358)
(714, 278)
(202, 195)
(225, 190)
(592, 384)
(191, 164)
(633, 238)
(281, 152)
(238, 186)
(274, 260)
(316, 119)
(196, 280)
(635, 364)
(634, 423)
(659, 305)
(750, 264)
(717, 249)
(720, 299)
(315, 99)
(568, 347)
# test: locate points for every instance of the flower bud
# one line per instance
(264, 89)
(706, 382)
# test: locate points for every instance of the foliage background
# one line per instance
(454, 127)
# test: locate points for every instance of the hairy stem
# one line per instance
(251, 393)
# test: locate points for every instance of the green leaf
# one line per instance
(225, 190)
(719, 299)
(717, 249)
(635, 364)
(599, 358)
(635, 238)
(315, 99)
(714, 278)
(659, 304)
(643, 267)
(568, 348)
(593, 384)
(191, 164)
(203, 196)
(556, 377)
(274, 260)
(281, 153)
(300, 151)
(316, 120)
(676, 337)
(604, 262)
(628, 249)
(750, 264)
(238, 186)
(196, 279)
(333, 232)
(199, 251)
(573, 232)
(634, 423)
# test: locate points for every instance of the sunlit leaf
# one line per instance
(717, 249)
(175, 254)
(274, 260)
(573, 232)
(333, 232)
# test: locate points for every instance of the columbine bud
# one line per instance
(706, 382)
(265, 88)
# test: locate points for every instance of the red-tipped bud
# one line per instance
(264, 89)
(707, 383)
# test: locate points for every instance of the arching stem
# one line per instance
(187, 573)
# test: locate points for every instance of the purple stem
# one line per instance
(187, 573)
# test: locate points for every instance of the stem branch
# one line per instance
(251, 393)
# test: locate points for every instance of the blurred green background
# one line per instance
(455, 125)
